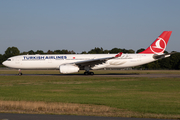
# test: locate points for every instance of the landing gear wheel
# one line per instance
(85, 73)
(88, 73)
(91, 73)
(19, 74)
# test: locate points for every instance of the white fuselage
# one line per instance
(53, 61)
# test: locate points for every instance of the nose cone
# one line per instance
(7, 64)
(4, 63)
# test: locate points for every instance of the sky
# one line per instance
(82, 25)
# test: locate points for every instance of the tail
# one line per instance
(159, 45)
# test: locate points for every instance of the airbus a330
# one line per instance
(71, 63)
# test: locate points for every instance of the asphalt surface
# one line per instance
(113, 75)
(8, 116)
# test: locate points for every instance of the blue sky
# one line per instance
(82, 25)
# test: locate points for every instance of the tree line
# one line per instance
(172, 62)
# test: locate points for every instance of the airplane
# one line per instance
(71, 63)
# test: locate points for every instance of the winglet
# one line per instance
(119, 54)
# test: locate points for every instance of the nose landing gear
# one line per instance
(20, 73)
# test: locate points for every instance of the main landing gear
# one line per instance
(87, 68)
(20, 73)
(88, 73)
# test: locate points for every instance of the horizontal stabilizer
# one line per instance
(156, 56)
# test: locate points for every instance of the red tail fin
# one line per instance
(159, 45)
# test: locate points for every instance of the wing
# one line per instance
(93, 62)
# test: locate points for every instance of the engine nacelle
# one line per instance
(65, 69)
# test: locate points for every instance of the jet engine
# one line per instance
(65, 69)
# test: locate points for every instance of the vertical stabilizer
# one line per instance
(159, 45)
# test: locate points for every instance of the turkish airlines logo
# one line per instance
(158, 46)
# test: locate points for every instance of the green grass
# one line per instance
(144, 95)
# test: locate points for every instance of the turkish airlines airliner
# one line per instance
(71, 63)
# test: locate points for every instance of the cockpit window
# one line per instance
(8, 59)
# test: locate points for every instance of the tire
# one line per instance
(85, 73)
(19, 74)
(91, 73)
